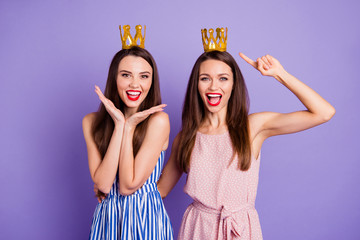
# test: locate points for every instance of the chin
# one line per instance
(132, 104)
(213, 109)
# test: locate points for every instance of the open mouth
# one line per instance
(133, 95)
(214, 99)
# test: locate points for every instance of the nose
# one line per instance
(214, 85)
(134, 82)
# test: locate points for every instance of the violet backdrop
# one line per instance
(52, 53)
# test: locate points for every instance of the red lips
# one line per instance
(213, 99)
(133, 95)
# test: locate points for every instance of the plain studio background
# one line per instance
(52, 53)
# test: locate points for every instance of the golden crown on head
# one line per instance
(128, 41)
(212, 43)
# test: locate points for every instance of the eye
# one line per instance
(144, 76)
(125, 75)
(204, 79)
(223, 79)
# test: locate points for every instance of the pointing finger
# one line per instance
(248, 60)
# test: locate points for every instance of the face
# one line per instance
(215, 84)
(133, 80)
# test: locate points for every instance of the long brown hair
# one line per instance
(236, 117)
(103, 125)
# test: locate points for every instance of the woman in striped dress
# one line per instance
(126, 140)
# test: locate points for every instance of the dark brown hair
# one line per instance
(236, 117)
(103, 125)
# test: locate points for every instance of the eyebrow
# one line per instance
(218, 74)
(125, 71)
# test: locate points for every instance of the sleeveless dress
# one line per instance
(140, 215)
(224, 196)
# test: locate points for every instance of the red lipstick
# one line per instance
(213, 99)
(133, 95)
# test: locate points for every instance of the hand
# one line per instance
(267, 65)
(138, 117)
(98, 194)
(116, 114)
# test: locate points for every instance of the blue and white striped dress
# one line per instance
(140, 215)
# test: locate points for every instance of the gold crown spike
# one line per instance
(128, 41)
(214, 44)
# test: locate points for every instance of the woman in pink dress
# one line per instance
(219, 144)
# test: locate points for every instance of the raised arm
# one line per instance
(103, 171)
(171, 172)
(134, 171)
(318, 109)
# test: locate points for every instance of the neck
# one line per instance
(214, 122)
(129, 111)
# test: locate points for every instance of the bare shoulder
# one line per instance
(88, 120)
(159, 127)
(259, 118)
(159, 119)
(257, 121)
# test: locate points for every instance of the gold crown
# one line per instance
(128, 41)
(214, 44)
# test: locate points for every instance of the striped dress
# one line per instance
(140, 215)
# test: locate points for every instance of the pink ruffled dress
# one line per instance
(224, 196)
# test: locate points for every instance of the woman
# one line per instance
(124, 145)
(219, 144)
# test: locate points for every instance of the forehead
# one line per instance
(214, 67)
(134, 64)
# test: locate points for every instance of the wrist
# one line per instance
(119, 126)
(281, 76)
(129, 127)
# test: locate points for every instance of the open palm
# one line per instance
(138, 117)
(116, 114)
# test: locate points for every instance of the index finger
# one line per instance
(156, 107)
(248, 60)
(100, 94)
(98, 91)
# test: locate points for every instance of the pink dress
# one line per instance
(224, 196)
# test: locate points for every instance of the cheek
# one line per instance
(230, 86)
(201, 88)
(147, 85)
(121, 84)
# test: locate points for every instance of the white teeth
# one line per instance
(213, 95)
(133, 93)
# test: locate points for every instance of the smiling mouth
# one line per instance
(133, 95)
(214, 99)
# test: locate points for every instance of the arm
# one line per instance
(103, 171)
(318, 109)
(171, 172)
(133, 172)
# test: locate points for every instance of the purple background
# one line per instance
(52, 54)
